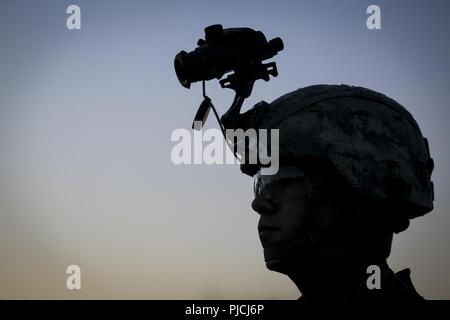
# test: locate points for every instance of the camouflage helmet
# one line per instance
(370, 140)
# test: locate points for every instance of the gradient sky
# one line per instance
(85, 123)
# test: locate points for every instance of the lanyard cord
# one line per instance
(218, 119)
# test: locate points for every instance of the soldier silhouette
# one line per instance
(354, 170)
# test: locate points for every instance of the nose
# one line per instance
(262, 205)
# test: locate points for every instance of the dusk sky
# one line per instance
(86, 117)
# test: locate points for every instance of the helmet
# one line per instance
(372, 142)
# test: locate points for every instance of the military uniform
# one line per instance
(395, 286)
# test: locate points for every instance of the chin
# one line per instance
(275, 265)
(286, 257)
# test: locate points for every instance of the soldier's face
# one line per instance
(282, 209)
